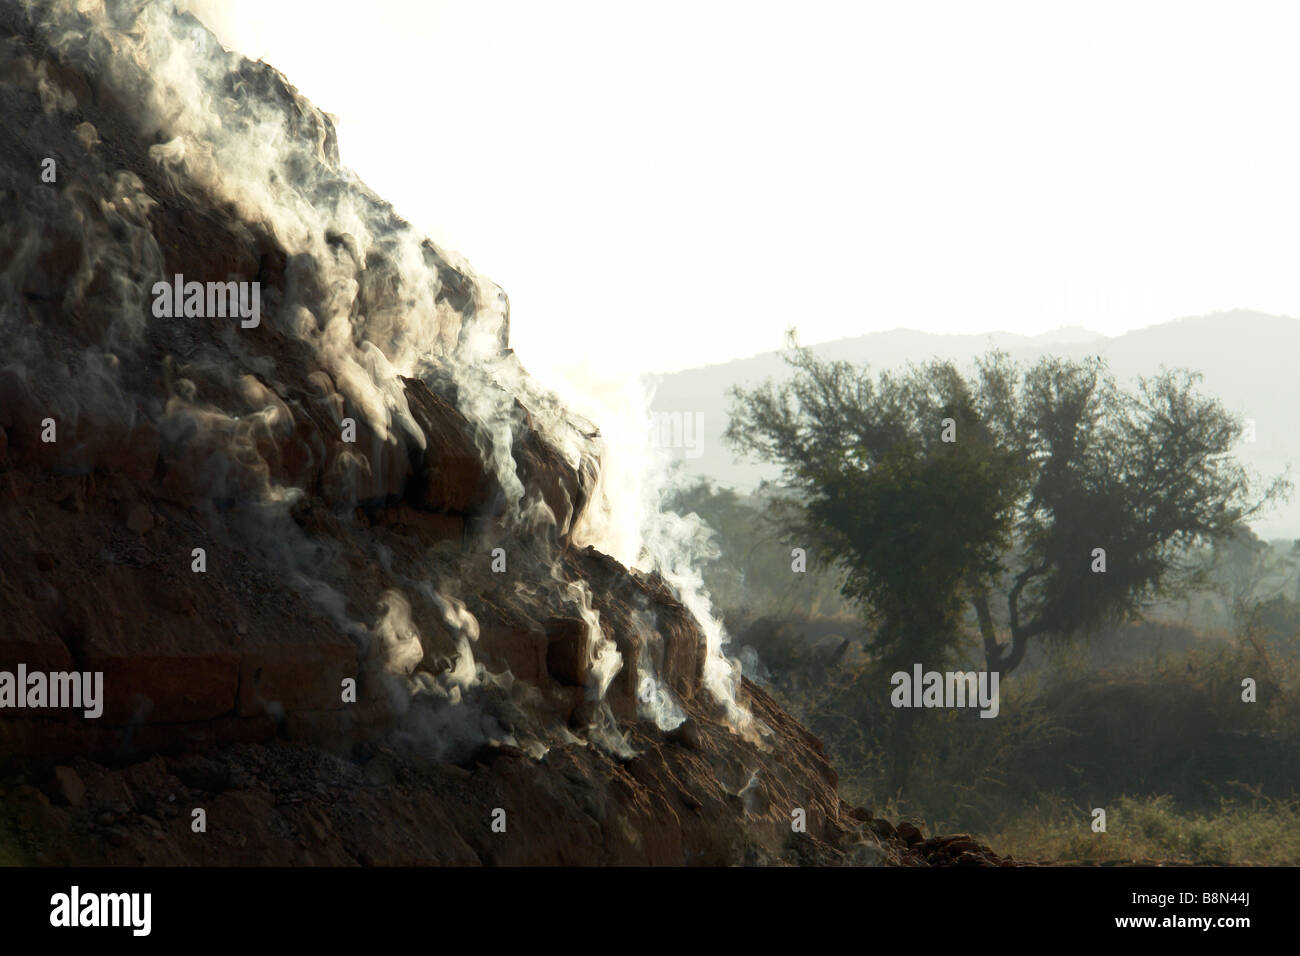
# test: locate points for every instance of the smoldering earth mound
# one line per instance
(206, 532)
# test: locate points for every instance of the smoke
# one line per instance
(629, 521)
(603, 659)
(359, 299)
(464, 674)
(398, 641)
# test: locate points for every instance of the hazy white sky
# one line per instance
(661, 185)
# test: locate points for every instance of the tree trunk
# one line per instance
(997, 657)
(992, 650)
(903, 744)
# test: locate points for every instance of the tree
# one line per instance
(931, 490)
(1239, 566)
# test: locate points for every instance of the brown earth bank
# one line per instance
(206, 534)
(289, 804)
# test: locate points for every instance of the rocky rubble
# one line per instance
(207, 534)
(282, 803)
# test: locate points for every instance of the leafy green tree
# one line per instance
(931, 489)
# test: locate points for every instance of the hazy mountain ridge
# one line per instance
(1247, 359)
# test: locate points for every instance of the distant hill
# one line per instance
(1249, 359)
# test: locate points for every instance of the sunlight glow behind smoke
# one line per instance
(846, 167)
